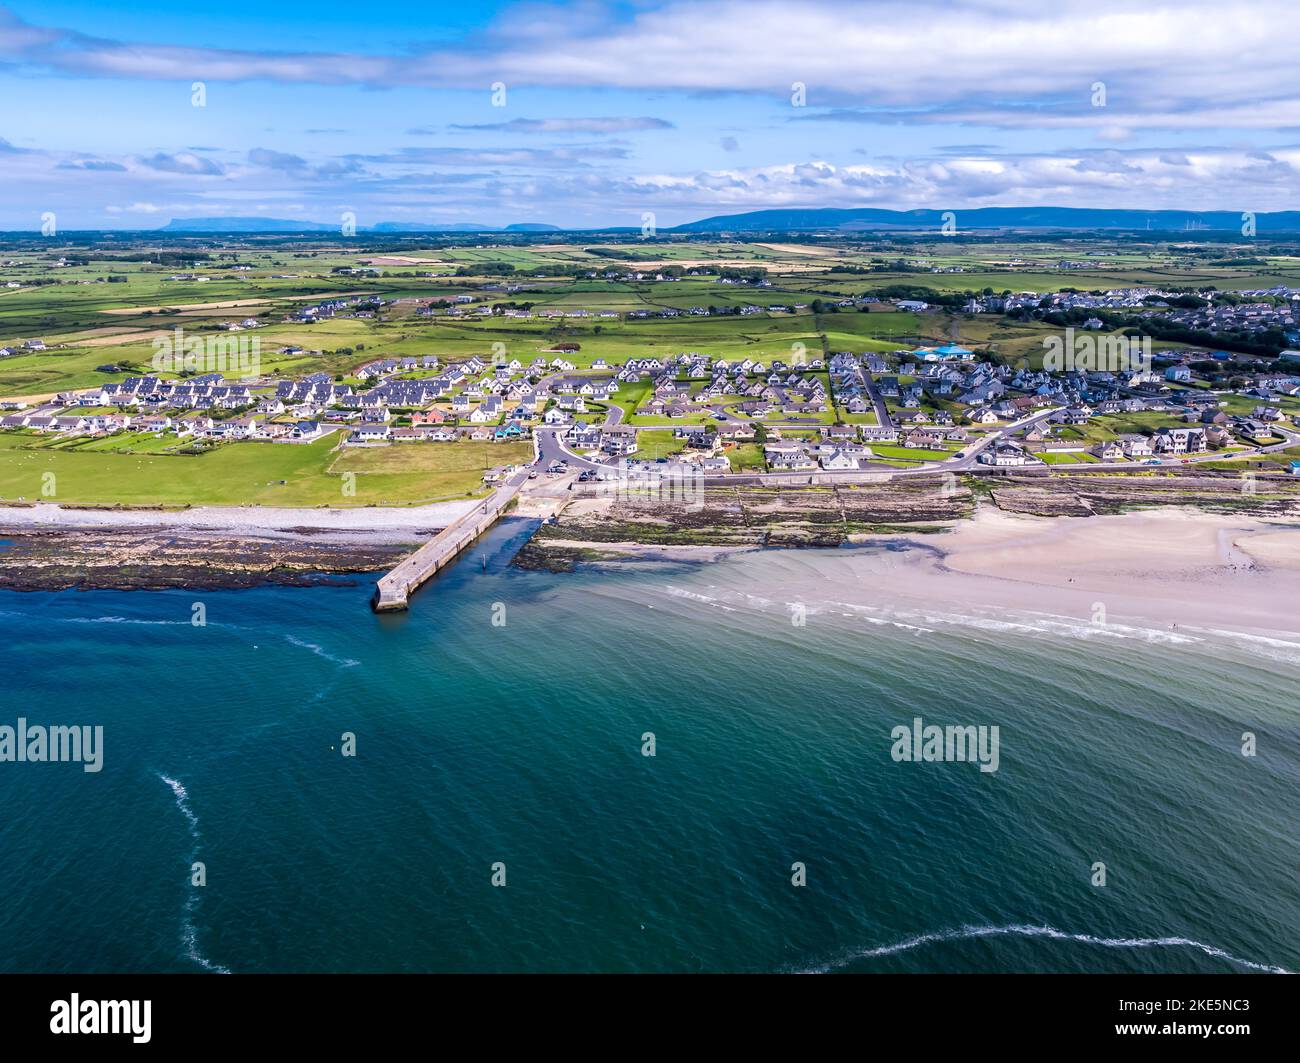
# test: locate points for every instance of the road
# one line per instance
(877, 400)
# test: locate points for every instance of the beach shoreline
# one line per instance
(1166, 569)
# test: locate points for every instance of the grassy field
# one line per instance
(913, 453)
(658, 443)
(266, 474)
(746, 457)
(88, 323)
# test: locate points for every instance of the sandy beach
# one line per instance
(1170, 566)
(1165, 569)
(1162, 570)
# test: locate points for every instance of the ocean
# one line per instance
(499, 731)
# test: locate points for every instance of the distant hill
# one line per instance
(871, 218)
(243, 225)
(428, 227)
(852, 219)
(286, 225)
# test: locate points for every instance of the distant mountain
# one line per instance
(243, 225)
(871, 218)
(428, 227)
(852, 219)
(284, 225)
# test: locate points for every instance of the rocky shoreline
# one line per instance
(757, 517)
(160, 558)
(594, 529)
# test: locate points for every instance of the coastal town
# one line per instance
(712, 391)
(701, 488)
(942, 406)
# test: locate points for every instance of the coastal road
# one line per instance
(552, 448)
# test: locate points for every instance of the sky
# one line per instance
(593, 114)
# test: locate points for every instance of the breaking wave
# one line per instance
(190, 932)
(320, 651)
(968, 932)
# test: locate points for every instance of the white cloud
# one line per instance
(570, 125)
(1191, 64)
(1206, 179)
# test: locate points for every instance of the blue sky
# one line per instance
(682, 109)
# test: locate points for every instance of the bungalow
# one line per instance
(1252, 431)
(71, 424)
(735, 431)
(838, 460)
(1073, 415)
(1002, 455)
(878, 433)
(370, 433)
(237, 428)
(788, 459)
(721, 465)
(193, 424)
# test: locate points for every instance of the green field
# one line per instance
(99, 331)
(746, 457)
(658, 443)
(88, 323)
(265, 474)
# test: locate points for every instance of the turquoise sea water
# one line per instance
(521, 743)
